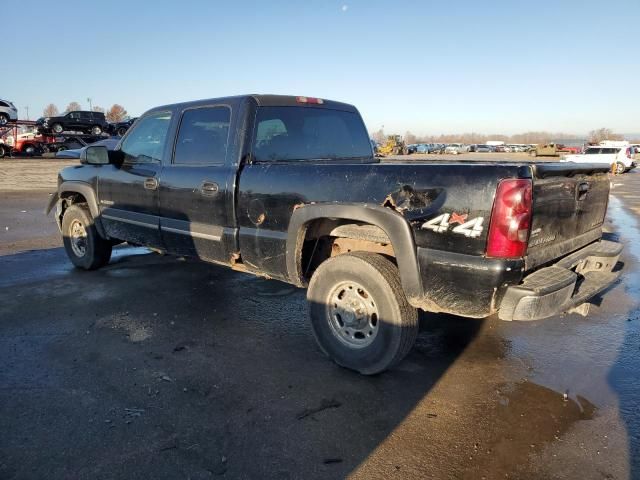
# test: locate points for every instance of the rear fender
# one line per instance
(392, 223)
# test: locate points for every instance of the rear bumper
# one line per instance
(560, 287)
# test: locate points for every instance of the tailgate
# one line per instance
(569, 205)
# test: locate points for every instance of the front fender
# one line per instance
(393, 224)
(84, 189)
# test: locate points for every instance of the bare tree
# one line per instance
(73, 107)
(50, 110)
(96, 108)
(410, 138)
(379, 136)
(116, 113)
(596, 136)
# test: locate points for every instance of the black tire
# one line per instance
(121, 131)
(396, 322)
(2, 152)
(30, 150)
(96, 130)
(4, 119)
(57, 128)
(97, 250)
(619, 168)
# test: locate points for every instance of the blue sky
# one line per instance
(428, 67)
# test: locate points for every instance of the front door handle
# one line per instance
(209, 189)
(151, 183)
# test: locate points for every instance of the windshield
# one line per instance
(307, 133)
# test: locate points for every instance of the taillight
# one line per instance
(628, 153)
(317, 101)
(510, 219)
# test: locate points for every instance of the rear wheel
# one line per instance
(360, 316)
(4, 118)
(84, 246)
(122, 131)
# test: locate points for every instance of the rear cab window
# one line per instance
(203, 136)
(306, 133)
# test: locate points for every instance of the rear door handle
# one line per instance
(209, 189)
(151, 183)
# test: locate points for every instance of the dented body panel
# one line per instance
(279, 217)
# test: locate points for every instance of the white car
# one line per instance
(454, 148)
(8, 111)
(620, 158)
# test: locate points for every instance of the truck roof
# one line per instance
(265, 100)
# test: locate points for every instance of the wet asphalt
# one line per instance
(164, 368)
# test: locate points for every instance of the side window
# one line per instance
(145, 143)
(73, 116)
(203, 136)
(3, 104)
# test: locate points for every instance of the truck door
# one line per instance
(197, 212)
(128, 192)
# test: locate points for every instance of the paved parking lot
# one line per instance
(157, 367)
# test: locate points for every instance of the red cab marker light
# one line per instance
(317, 101)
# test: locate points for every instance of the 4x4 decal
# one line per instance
(440, 224)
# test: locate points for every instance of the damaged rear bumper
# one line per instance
(560, 287)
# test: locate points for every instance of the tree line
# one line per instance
(594, 136)
(115, 114)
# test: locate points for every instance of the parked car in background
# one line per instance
(79, 121)
(455, 148)
(8, 112)
(483, 149)
(422, 148)
(619, 158)
(553, 150)
(413, 148)
(120, 128)
(110, 143)
(502, 149)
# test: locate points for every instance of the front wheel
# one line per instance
(619, 168)
(4, 119)
(96, 130)
(57, 128)
(360, 316)
(85, 248)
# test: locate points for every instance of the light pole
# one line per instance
(89, 100)
(27, 109)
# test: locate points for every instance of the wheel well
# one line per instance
(325, 238)
(68, 199)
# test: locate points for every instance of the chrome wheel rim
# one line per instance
(353, 315)
(78, 238)
(3, 120)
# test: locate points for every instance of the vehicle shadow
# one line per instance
(196, 369)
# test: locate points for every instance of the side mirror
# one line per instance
(96, 155)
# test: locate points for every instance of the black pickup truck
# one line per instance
(289, 188)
